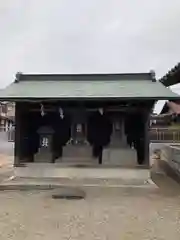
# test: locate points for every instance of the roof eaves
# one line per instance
(171, 78)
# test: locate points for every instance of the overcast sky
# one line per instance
(85, 36)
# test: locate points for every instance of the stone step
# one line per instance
(36, 170)
(18, 183)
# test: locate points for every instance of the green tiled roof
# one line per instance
(99, 89)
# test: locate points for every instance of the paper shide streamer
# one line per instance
(42, 110)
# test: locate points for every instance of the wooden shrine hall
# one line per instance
(87, 119)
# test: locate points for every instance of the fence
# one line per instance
(164, 135)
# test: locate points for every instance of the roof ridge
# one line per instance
(84, 77)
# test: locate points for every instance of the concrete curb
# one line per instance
(28, 187)
(169, 171)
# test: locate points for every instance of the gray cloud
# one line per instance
(88, 36)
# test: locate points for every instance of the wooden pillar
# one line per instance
(18, 146)
(147, 137)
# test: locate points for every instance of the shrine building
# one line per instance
(84, 119)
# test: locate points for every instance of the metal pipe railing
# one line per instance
(165, 134)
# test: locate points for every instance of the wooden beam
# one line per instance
(147, 137)
(17, 135)
(18, 143)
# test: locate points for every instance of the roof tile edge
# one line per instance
(170, 74)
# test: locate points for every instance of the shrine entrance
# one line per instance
(84, 133)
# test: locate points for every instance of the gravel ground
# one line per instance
(106, 213)
(119, 213)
